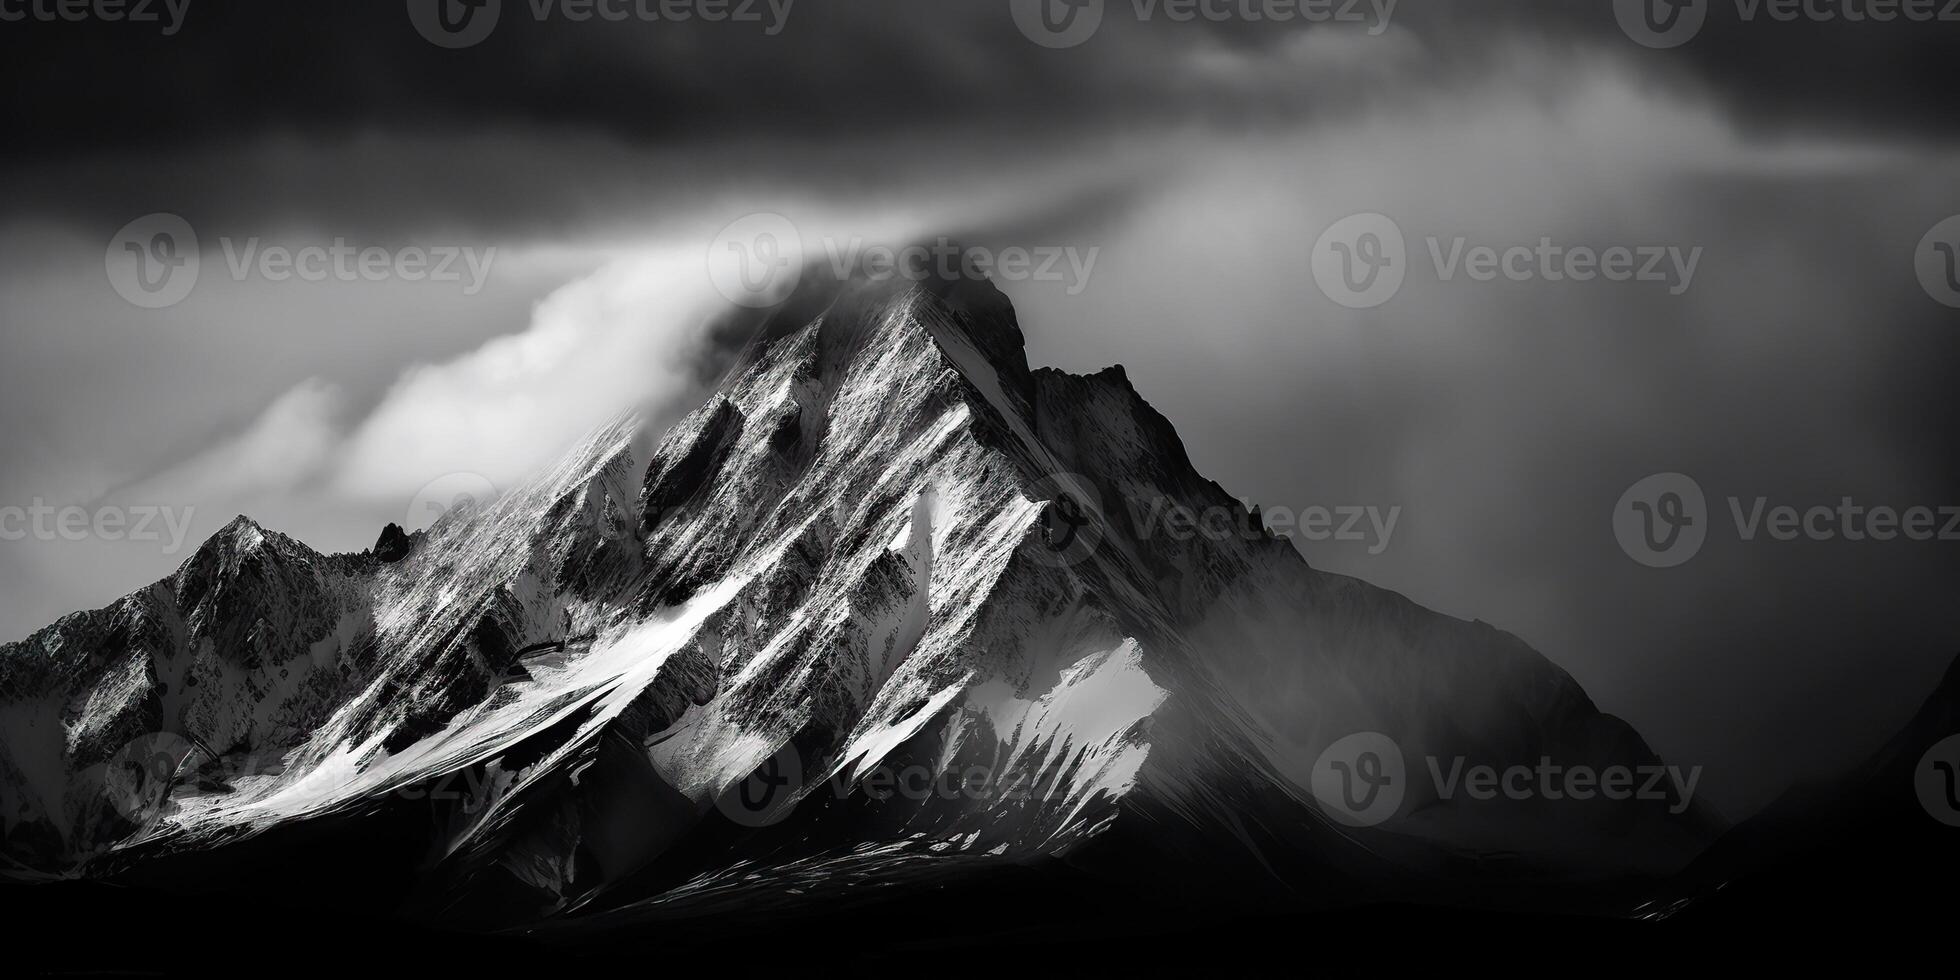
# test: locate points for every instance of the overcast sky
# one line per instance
(1201, 161)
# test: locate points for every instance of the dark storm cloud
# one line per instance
(343, 115)
(237, 69)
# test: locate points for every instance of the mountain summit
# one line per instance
(884, 603)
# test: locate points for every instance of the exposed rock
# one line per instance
(832, 578)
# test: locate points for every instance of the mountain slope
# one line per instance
(1859, 849)
(880, 608)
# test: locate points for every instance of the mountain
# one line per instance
(887, 611)
(1852, 851)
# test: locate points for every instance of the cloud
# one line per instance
(853, 70)
(646, 330)
(290, 445)
(624, 336)
(1507, 418)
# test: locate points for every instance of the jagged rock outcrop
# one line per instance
(884, 594)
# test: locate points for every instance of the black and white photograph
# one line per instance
(1014, 488)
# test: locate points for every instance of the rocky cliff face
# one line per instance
(884, 597)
